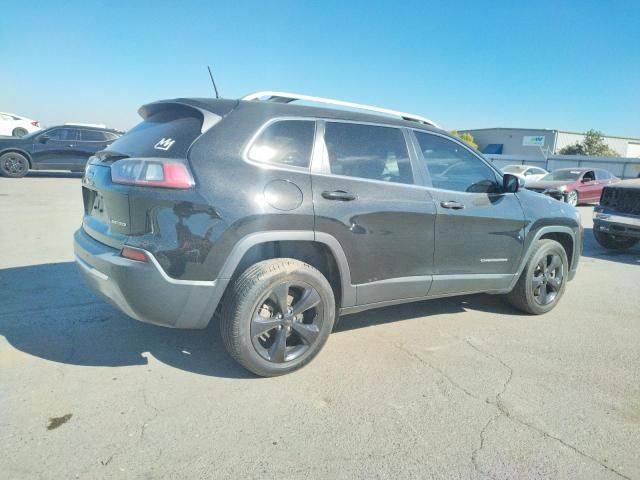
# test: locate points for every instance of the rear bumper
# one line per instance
(142, 290)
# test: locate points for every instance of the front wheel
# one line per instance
(14, 165)
(543, 280)
(572, 198)
(614, 242)
(277, 316)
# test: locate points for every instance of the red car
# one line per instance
(574, 185)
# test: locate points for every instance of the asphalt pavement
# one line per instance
(459, 388)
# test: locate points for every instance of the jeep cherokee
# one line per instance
(281, 216)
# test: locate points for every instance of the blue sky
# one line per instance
(465, 64)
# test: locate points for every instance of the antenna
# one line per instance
(213, 81)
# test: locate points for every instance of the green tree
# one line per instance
(593, 145)
(467, 137)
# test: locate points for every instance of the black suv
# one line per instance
(65, 147)
(282, 217)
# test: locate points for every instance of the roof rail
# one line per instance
(286, 97)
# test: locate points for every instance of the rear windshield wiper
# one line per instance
(110, 155)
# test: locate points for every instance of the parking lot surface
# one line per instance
(459, 388)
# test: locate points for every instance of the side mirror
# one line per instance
(43, 138)
(586, 180)
(511, 183)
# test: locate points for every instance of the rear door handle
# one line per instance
(338, 195)
(452, 204)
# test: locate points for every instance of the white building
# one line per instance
(531, 141)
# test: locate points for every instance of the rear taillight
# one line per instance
(35, 123)
(151, 173)
(133, 254)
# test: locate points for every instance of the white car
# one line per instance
(526, 172)
(13, 125)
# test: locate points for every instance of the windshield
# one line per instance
(562, 175)
(514, 169)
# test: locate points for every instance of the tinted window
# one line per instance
(368, 151)
(166, 133)
(590, 175)
(111, 136)
(62, 134)
(287, 142)
(453, 167)
(603, 175)
(92, 136)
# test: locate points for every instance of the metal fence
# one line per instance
(621, 167)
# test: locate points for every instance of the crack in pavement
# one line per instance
(436, 369)
(502, 410)
(153, 417)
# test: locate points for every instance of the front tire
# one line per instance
(19, 132)
(543, 280)
(572, 198)
(277, 316)
(614, 242)
(14, 165)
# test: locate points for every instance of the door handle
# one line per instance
(338, 195)
(71, 145)
(452, 204)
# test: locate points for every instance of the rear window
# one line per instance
(368, 151)
(286, 142)
(167, 133)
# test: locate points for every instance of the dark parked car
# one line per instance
(574, 185)
(616, 220)
(282, 217)
(66, 147)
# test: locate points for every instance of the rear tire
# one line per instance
(13, 165)
(614, 242)
(19, 132)
(277, 316)
(543, 280)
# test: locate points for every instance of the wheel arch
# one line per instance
(21, 152)
(564, 235)
(563, 238)
(321, 251)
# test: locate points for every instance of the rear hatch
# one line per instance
(122, 183)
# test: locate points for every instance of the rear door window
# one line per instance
(92, 136)
(368, 151)
(166, 133)
(285, 142)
